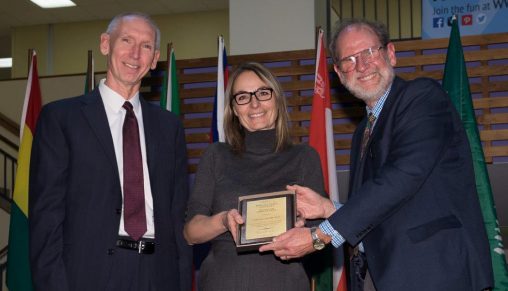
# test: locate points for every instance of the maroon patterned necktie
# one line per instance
(133, 187)
(366, 133)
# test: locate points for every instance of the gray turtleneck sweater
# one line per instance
(221, 178)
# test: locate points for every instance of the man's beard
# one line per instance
(374, 94)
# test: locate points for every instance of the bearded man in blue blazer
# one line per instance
(107, 203)
(412, 220)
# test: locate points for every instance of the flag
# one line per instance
(456, 84)
(217, 130)
(169, 94)
(90, 74)
(170, 101)
(322, 140)
(18, 265)
(216, 134)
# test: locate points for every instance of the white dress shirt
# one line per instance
(113, 103)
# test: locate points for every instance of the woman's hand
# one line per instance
(203, 228)
(231, 219)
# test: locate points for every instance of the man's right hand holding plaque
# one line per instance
(265, 216)
(298, 242)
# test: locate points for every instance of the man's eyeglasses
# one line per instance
(369, 55)
(262, 94)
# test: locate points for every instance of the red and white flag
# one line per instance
(322, 140)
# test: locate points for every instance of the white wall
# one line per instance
(52, 88)
(62, 48)
(270, 26)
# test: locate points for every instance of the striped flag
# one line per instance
(217, 130)
(18, 265)
(322, 140)
(216, 135)
(90, 74)
(456, 84)
(169, 99)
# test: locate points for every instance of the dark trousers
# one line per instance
(359, 277)
(132, 271)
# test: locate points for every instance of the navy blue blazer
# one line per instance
(75, 196)
(413, 200)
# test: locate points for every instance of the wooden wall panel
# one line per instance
(486, 56)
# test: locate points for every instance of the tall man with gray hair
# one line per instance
(108, 180)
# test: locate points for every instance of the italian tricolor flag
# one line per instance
(169, 99)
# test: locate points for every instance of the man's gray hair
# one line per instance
(113, 25)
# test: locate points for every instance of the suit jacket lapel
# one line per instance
(381, 120)
(357, 164)
(152, 132)
(95, 114)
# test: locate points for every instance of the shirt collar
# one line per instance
(376, 110)
(114, 100)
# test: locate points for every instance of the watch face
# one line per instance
(316, 242)
(319, 245)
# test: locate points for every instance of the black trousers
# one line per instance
(132, 271)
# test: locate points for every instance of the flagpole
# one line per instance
(316, 38)
(313, 282)
(30, 55)
(169, 97)
(90, 76)
(217, 129)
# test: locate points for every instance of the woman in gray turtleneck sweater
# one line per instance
(258, 157)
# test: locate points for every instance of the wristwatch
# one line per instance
(317, 243)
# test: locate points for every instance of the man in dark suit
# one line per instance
(413, 215)
(108, 180)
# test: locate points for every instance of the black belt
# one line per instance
(141, 246)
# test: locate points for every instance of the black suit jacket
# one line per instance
(413, 200)
(75, 196)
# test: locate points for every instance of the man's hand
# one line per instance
(294, 243)
(311, 205)
(300, 221)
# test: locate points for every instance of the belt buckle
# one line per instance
(141, 246)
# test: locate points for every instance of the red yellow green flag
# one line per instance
(18, 266)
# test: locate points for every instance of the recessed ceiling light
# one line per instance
(5, 62)
(54, 3)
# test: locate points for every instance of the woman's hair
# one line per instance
(233, 130)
